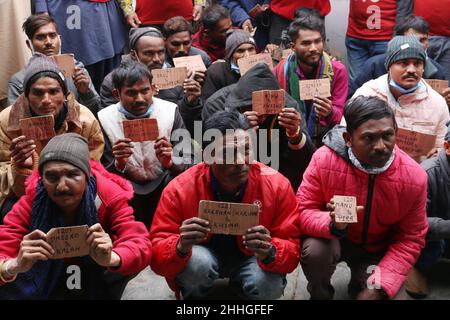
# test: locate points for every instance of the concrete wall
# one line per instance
(336, 28)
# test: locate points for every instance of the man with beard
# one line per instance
(438, 211)
(417, 106)
(362, 161)
(148, 47)
(149, 165)
(309, 61)
(257, 261)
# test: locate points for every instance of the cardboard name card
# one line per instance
(68, 242)
(194, 63)
(66, 63)
(345, 209)
(229, 218)
(169, 78)
(415, 144)
(258, 10)
(314, 88)
(38, 128)
(248, 62)
(268, 101)
(279, 53)
(140, 130)
(438, 85)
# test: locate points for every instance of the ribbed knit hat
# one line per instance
(235, 38)
(137, 33)
(68, 147)
(404, 47)
(41, 63)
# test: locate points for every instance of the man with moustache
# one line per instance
(309, 61)
(362, 161)
(190, 257)
(416, 105)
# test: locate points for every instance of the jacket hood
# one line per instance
(259, 77)
(334, 140)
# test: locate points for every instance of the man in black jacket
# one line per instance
(286, 132)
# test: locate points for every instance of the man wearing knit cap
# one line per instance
(71, 190)
(417, 106)
(45, 94)
(239, 44)
(148, 47)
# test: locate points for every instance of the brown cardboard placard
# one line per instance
(140, 130)
(268, 101)
(229, 218)
(38, 128)
(314, 88)
(247, 62)
(169, 78)
(66, 62)
(438, 85)
(415, 144)
(345, 209)
(68, 242)
(194, 63)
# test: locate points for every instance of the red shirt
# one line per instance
(371, 20)
(214, 51)
(286, 8)
(436, 13)
(158, 12)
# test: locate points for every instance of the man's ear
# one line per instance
(133, 54)
(116, 94)
(447, 148)
(347, 138)
(292, 45)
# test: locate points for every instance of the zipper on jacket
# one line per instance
(368, 209)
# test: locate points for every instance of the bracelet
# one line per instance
(4, 271)
(295, 134)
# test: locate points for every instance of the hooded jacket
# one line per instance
(292, 163)
(394, 220)
(129, 237)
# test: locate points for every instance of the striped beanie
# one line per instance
(404, 47)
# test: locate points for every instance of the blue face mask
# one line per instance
(235, 68)
(129, 115)
(402, 90)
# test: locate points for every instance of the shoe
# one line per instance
(416, 284)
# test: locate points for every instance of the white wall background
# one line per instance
(336, 27)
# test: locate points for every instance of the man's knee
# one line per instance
(320, 252)
(264, 285)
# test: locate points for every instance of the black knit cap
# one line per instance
(41, 63)
(137, 33)
(68, 147)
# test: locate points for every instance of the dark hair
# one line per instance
(312, 22)
(224, 120)
(411, 22)
(175, 25)
(305, 12)
(44, 74)
(213, 14)
(130, 73)
(362, 109)
(36, 21)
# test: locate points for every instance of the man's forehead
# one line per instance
(48, 28)
(59, 166)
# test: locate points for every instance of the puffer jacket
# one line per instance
(129, 237)
(180, 201)
(79, 120)
(423, 111)
(394, 220)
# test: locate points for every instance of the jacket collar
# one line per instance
(381, 86)
(21, 110)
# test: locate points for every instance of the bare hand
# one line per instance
(259, 241)
(34, 247)
(163, 151)
(192, 90)
(197, 12)
(340, 225)
(101, 247)
(21, 151)
(247, 26)
(133, 20)
(323, 107)
(81, 81)
(446, 95)
(200, 77)
(192, 231)
(290, 120)
(253, 118)
(122, 150)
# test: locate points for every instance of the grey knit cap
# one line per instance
(137, 33)
(404, 47)
(68, 147)
(41, 63)
(235, 38)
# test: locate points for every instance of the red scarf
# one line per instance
(214, 51)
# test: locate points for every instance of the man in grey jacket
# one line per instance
(438, 211)
(43, 38)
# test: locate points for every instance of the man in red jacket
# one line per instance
(391, 192)
(71, 191)
(191, 257)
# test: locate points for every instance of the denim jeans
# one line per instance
(197, 279)
(359, 50)
(439, 50)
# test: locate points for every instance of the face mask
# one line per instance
(402, 90)
(235, 68)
